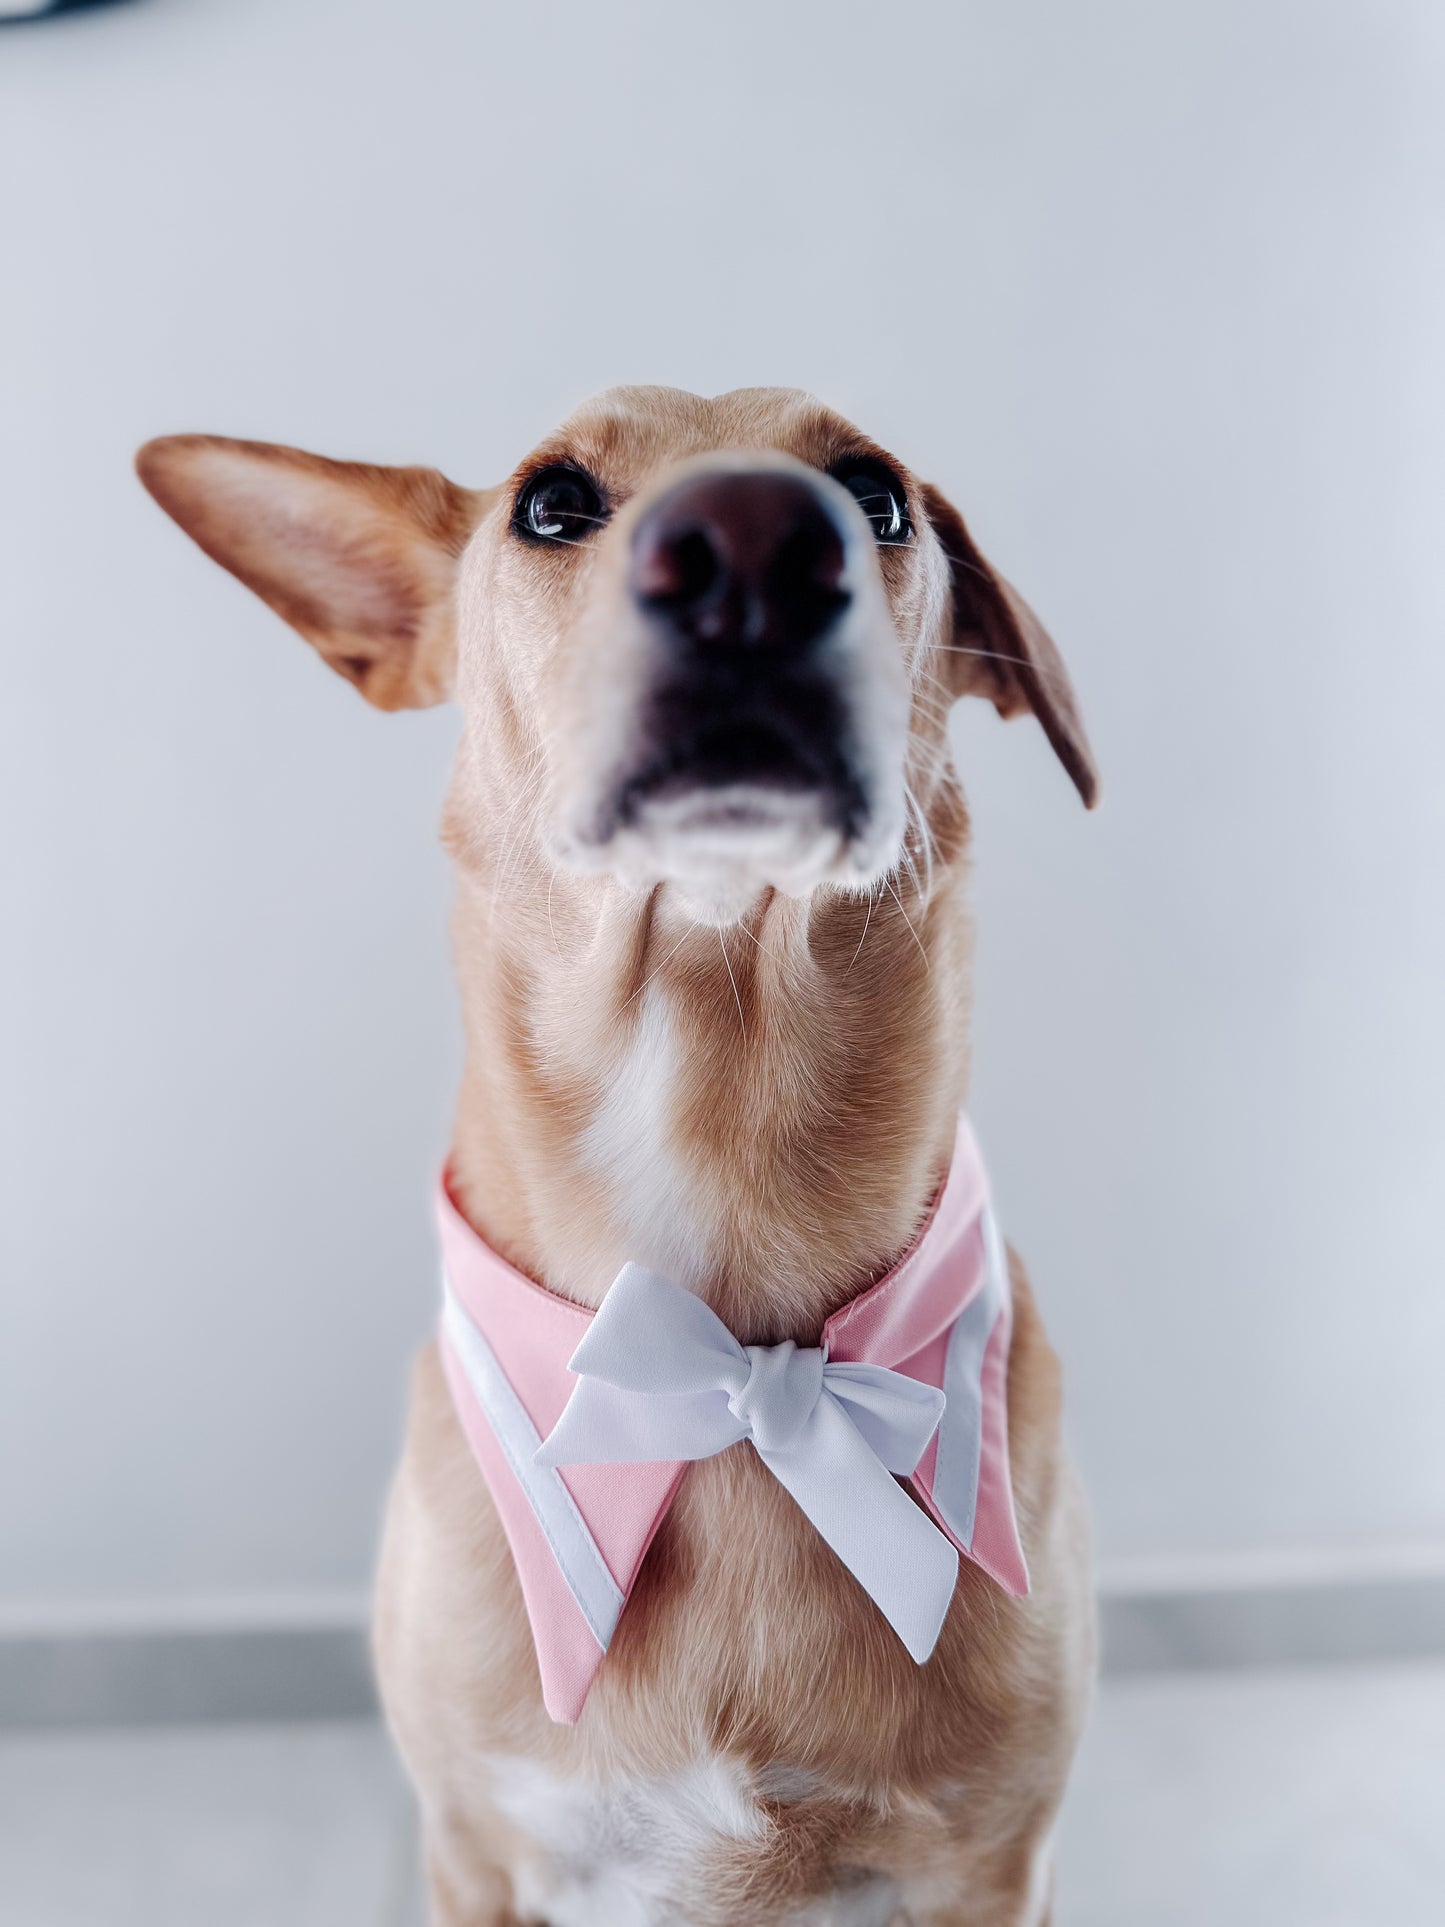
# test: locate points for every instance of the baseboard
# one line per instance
(165, 1678)
(1340, 1623)
(296, 1662)
(281, 1656)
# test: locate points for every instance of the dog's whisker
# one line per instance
(933, 775)
(722, 945)
(888, 881)
(937, 707)
(938, 740)
(659, 967)
(933, 744)
(574, 542)
(962, 562)
(519, 826)
(1041, 670)
(872, 899)
(925, 838)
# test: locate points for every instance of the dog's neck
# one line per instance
(763, 1114)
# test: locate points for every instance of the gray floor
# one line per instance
(1218, 1800)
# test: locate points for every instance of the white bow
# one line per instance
(661, 1377)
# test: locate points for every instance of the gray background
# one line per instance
(1156, 292)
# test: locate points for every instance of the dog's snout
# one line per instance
(759, 738)
(742, 560)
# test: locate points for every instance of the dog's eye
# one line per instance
(559, 505)
(879, 493)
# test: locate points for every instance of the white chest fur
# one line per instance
(636, 1852)
(631, 1144)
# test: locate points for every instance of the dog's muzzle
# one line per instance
(741, 580)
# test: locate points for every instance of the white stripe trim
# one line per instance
(598, 1596)
(960, 1431)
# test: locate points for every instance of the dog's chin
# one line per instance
(719, 847)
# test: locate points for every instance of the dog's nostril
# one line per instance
(679, 569)
(809, 559)
(740, 559)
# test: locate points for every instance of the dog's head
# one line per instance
(708, 643)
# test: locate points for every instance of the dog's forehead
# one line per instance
(623, 434)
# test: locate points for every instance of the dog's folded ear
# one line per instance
(1001, 651)
(360, 559)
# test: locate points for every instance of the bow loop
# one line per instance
(896, 1414)
(660, 1377)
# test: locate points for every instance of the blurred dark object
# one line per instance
(39, 9)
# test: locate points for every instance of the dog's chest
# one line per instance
(655, 1199)
(635, 1852)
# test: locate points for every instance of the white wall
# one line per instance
(1157, 292)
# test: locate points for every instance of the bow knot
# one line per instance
(660, 1377)
(777, 1398)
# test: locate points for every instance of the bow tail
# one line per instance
(889, 1544)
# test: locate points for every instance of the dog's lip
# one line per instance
(697, 833)
(747, 771)
(707, 837)
(744, 807)
(748, 751)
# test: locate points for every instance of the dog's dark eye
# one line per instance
(559, 505)
(879, 493)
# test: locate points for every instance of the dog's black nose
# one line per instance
(740, 561)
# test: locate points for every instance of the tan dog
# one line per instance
(715, 965)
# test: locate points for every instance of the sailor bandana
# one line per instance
(584, 1423)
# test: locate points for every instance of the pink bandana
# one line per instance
(917, 1364)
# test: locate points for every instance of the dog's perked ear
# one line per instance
(1000, 650)
(360, 559)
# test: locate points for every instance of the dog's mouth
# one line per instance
(726, 799)
(743, 771)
